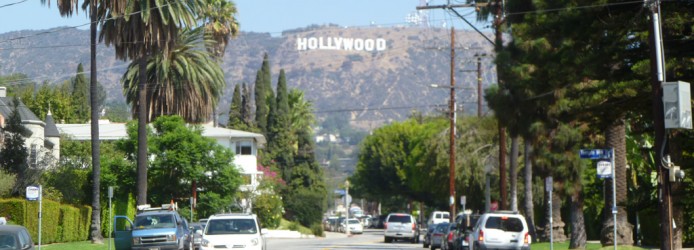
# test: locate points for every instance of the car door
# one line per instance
(123, 232)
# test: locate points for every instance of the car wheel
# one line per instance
(425, 245)
(432, 247)
(387, 240)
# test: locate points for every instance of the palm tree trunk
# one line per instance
(557, 223)
(578, 225)
(528, 179)
(95, 228)
(616, 139)
(142, 134)
(513, 173)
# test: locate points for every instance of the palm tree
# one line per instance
(219, 17)
(137, 29)
(185, 81)
(66, 8)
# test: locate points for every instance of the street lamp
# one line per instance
(347, 207)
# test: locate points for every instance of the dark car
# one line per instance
(438, 237)
(15, 238)
(448, 237)
(427, 237)
(196, 230)
(465, 223)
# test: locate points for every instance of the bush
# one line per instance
(317, 229)
(60, 223)
(303, 205)
(294, 226)
(269, 209)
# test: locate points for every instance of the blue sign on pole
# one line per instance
(594, 153)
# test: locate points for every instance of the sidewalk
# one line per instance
(286, 234)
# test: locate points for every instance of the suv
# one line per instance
(400, 226)
(439, 217)
(500, 230)
(233, 231)
(153, 228)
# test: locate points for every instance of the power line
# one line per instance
(10, 4)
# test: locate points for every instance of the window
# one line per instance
(244, 148)
(231, 226)
(509, 224)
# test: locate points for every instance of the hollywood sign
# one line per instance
(340, 43)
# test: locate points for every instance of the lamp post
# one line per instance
(347, 207)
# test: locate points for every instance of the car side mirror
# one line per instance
(263, 231)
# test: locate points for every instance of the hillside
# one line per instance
(383, 78)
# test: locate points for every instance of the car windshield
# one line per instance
(354, 221)
(155, 221)
(510, 224)
(441, 227)
(231, 226)
(7, 241)
(399, 218)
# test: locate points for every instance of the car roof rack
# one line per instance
(504, 212)
(164, 207)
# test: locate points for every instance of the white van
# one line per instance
(438, 217)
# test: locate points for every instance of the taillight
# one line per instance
(480, 237)
(385, 225)
(450, 236)
(413, 227)
(526, 239)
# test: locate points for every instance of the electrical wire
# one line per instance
(10, 4)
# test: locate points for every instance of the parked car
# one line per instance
(427, 236)
(448, 237)
(329, 224)
(154, 228)
(14, 237)
(501, 229)
(354, 225)
(197, 229)
(464, 222)
(229, 231)
(437, 237)
(401, 226)
(439, 217)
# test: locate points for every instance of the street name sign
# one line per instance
(594, 153)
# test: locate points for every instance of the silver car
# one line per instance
(400, 226)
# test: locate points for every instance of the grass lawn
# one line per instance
(565, 245)
(78, 246)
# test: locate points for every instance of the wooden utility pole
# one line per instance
(479, 86)
(451, 181)
(498, 42)
(660, 147)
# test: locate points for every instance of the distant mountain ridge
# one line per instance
(381, 76)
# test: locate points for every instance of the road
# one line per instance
(370, 239)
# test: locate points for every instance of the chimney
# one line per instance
(3, 92)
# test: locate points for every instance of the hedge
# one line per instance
(60, 222)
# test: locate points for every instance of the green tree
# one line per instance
(246, 113)
(151, 26)
(14, 154)
(235, 118)
(261, 107)
(279, 129)
(80, 92)
(186, 81)
(219, 18)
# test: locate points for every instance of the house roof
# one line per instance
(116, 131)
(24, 112)
(50, 130)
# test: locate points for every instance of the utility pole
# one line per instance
(660, 147)
(479, 86)
(451, 181)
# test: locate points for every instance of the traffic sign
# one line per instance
(595, 153)
(604, 169)
(32, 193)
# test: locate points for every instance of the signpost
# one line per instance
(604, 154)
(110, 215)
(35, 193)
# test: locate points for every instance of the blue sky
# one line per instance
(273, 16)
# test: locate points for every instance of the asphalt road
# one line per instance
(370, 239)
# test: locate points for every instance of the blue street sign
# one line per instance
(594, 153)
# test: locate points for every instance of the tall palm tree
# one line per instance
(137, 29)
(66, 8)
(219, 18)
(184, 81)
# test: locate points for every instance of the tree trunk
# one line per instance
(513, 173)
(616, 139)
(142, 134)
(557, 224)
(95, 227)
(528, 179)
(578, 225)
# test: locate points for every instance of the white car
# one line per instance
(238, 231)
(355, 226)
(500, 230)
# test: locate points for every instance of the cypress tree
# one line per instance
(235, 119)
(246, 115)
(80, 96)
(279, 143)
(261, 108)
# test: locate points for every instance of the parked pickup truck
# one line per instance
(153, 229)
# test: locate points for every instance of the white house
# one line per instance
(244, 144)
(41, 138)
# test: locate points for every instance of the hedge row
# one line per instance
(59, 223)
